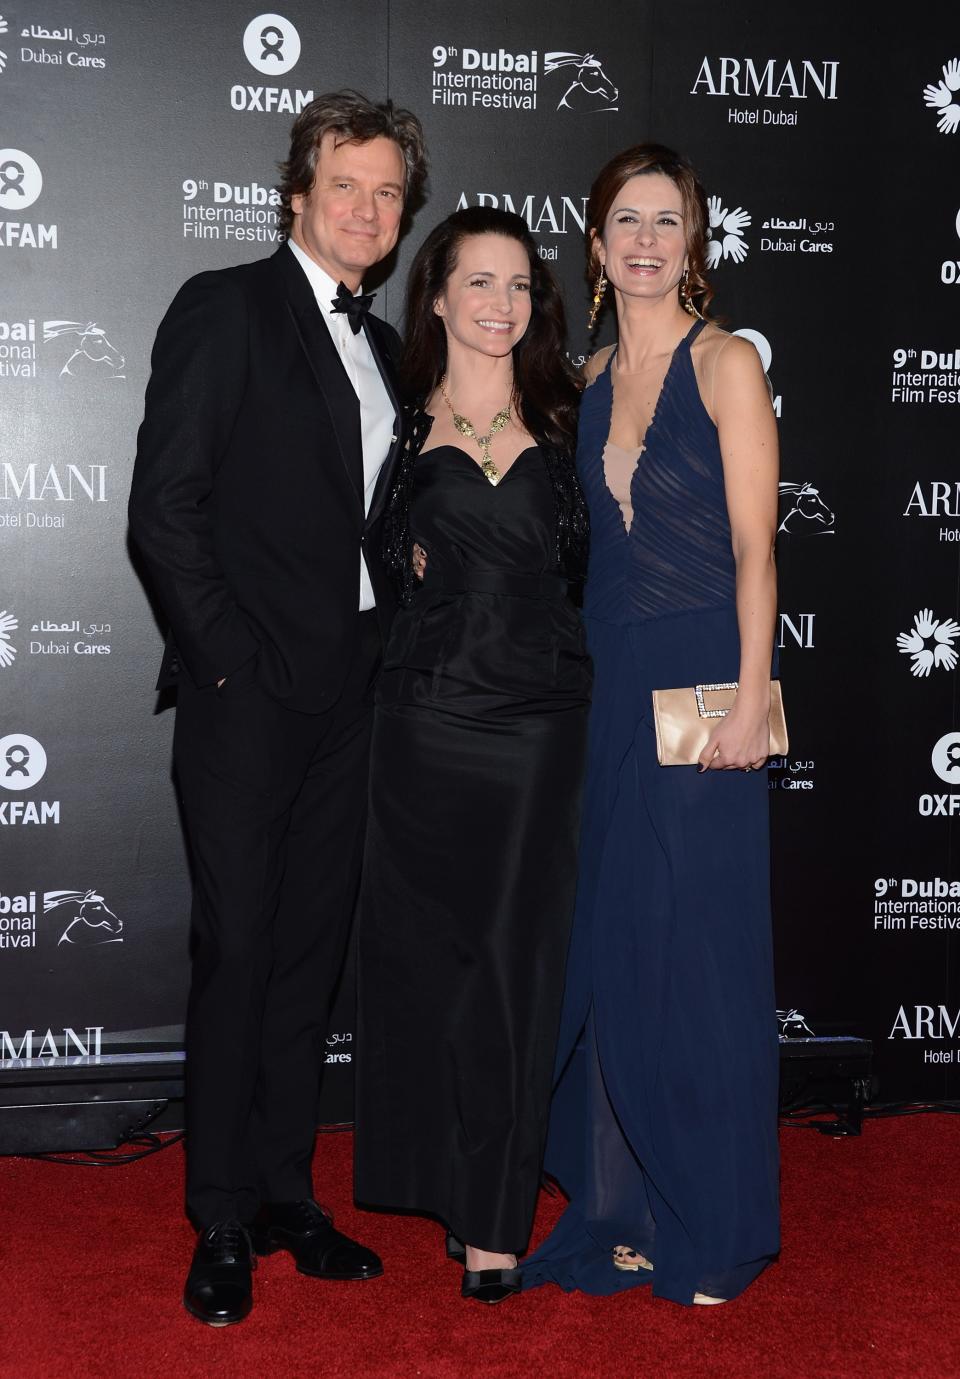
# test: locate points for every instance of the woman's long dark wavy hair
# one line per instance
(546, 391)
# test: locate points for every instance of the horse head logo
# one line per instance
(590, 89)
(89, 921)
(808, 514)
(91, 347)
(793, 1025)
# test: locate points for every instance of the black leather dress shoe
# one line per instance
(306, 1230)
(454, 1249)
(490, 1285)
(218, 1289)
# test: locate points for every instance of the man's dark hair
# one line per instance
(352, 118)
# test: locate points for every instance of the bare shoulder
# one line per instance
(729, 374)
(731, 357)
(596, 364)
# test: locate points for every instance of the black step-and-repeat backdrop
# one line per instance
(139, 146)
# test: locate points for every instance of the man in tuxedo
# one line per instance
(271, 427)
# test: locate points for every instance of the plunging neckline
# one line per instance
(663, 387)
(644, 445)
(474, 464)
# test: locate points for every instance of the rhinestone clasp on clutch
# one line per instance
(701, 690)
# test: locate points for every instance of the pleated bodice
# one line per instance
(676, 556)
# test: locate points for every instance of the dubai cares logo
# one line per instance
(731, 245)
(942, 97)
(8, 652)
(929, 643)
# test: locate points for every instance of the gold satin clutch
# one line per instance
(682, 718)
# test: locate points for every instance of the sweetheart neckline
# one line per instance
(459, 450)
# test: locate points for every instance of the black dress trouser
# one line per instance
(275, 809)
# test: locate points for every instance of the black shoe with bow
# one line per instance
(490, 1285)
(219, 1286)
(305, 1229)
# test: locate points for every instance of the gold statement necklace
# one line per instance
(466, 428)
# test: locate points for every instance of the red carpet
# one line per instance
(92, 1262)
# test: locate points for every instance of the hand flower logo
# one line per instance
(8, 624)
(929, 643)
(938, 96)
(732, 245)
(736, 221)
(942, 98)
(945, 635)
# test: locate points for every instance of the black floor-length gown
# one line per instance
(466, 906)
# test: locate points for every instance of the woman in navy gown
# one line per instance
(478, 755)
(664, 1124)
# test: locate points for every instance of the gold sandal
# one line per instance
(627, 1259)
(631, 1261)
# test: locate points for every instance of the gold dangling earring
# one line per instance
(686, 301)
(599, 288)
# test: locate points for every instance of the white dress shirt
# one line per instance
(377, 417)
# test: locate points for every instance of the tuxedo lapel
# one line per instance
(327, 367)
(385, 365)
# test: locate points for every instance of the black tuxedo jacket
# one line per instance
(247, 500)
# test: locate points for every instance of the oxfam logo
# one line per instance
(22, 761)
(945, 758)
(271, 44)
(21, 180)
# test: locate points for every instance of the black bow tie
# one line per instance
(355, 307)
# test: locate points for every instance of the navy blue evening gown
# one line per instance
(663, 1129)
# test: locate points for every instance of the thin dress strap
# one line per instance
(693, 332)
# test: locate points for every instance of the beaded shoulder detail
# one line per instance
(397, 541)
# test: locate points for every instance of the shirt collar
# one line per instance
(324, 287)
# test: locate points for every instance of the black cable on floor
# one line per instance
(800, 1117)
(143, 1144)
(911, 1108)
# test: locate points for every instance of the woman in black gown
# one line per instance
(478, 755)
